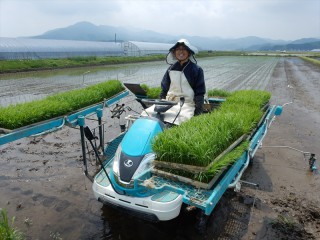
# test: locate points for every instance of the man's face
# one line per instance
(181, 53)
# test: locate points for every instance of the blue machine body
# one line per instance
(130, 157)
(137, 141)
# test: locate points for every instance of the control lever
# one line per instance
(89, 135)
(182, 100)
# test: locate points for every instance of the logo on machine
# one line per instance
(128, 163)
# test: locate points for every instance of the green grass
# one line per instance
(219, 53)
(23, 65)
(153, 93)
(201, 139)
(312, 60)
(15, 116)
(7, 231)
(42, 64)
(218, 93)
(256, 98)
(224, 162)
(215, 169)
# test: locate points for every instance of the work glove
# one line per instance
(198, 100)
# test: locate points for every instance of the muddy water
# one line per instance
(229, 73)
(42, 184)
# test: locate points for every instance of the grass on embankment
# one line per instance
(43, 64)
(23, 65)
(15, 116)
(312, 60)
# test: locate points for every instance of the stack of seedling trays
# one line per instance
(200, 150)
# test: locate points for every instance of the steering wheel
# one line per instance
(159, 102)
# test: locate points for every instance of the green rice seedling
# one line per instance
(201, 139)
(218, 93)
(15, 116)
(252, 97)
(223, 163)
(152, 92)
(7, 231)
(145, 87)
(215, 169)
(248, 116)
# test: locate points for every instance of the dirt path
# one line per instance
(43, 186)
(288, 196)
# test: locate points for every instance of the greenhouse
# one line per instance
(133, 48)
(29, 48)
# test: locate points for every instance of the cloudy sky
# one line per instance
(275, 19)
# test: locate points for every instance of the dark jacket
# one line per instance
(195, 77)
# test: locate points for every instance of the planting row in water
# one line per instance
(200, 140)
(15, 116)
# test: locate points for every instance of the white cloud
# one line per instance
(286, 19)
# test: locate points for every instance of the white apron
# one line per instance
(179, 87)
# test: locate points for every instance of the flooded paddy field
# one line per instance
(230, 73)
(43, 186)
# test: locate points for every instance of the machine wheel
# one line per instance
(251, 161)
(201, 222)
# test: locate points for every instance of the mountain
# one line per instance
(308, 46)
(298, 45)
(86, 31)
(231, 44)
(305, 40)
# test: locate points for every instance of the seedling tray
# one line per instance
(189, 181)
(197, 169)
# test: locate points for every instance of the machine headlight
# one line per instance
(116, 161)
(145, 164)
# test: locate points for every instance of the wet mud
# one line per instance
(42, 182)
